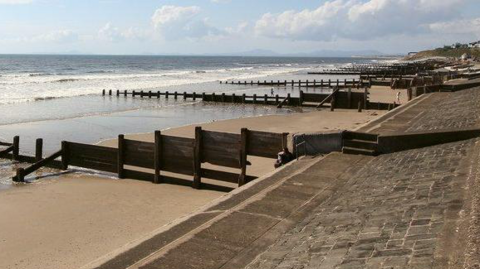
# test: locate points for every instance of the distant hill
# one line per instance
(445, 52)
(319, 53)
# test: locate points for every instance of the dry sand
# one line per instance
(72, 220)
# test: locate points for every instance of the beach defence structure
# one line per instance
(345, 83)
(338, 98)
(178, 155)
(377, 69)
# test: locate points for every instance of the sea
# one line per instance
(58, 97)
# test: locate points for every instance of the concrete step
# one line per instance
(357, 151)
(360, 136)
(360, 144)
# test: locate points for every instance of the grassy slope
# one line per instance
(475, 52)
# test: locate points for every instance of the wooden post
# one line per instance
(118, 93)
(284, 140)
(103, 92)
(365, 99)
(254, 98)
(243, 157)
(233, 98)
(16, 148)
(359, 106)
(194, 96)
(184, 95)
(349, 97)
(110, 92)
(149, 94)
(223, 97)
(166, 95)
(20, 175)
(175, 95)
(329, 83)
(158, 94)
(300, 99)
(38, 150)
(120, 156)
(157, 157)
(244, 97)
(332, 102)
(276, 99)
(65, 155)
(197, 159)
(214, 98)
(293, 83)
(265, 99)
(289, 99)
(321, 83)
(203, 96)
(306, 83)
(125, 93)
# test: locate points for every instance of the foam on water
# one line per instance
(16, 88)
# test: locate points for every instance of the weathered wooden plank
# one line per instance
(138, 146)
(210, 138)
(221, 158)
(179, 166)
(264, 144)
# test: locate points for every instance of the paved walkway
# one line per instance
(402, 210)
(436, 111)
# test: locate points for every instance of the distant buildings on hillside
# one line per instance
(475, 44)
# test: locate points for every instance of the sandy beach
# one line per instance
(71, 220)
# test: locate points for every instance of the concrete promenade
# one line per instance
(410, 209)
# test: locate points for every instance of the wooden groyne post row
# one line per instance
(172, 154)
(343, 98)
(345, 83)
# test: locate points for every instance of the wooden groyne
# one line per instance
(178, 155)
(345, 83)
(339, 98)
(377, 69)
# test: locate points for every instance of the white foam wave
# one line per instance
(16, 88)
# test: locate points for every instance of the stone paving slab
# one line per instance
(257, 222)
(434, 111)
(402, 210)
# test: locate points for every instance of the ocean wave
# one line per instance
(65, 80)
(39, 74)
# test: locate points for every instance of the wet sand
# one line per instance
(72, 220)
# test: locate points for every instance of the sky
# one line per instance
(233, 26)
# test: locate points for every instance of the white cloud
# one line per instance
(15, 2)
(111, 33)
(176, 22)
(458, 27)
(169, 15)
(358, 20)
(61, 36)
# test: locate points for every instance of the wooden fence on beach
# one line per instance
(346, 83)
(178, 155)
(339, 98)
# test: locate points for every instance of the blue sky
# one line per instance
(229, 26)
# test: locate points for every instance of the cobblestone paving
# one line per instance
(440, 111)
(458, 110)
(400, 211)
